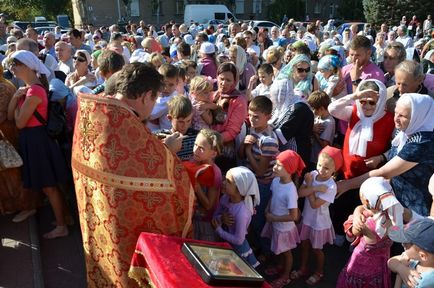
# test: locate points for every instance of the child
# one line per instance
(241, 195)
(200, 93)
(158, 118)
(207, 181)
(324, 124)
(260, 149)
(368, 263)
(180, 113)
(329, 75)
(190, 71)
(265, 76)
(181, 89)
(415, 267)
(319, 188)
(282, 211)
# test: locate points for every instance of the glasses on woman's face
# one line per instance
(79, 59)
(370, 102)
(305, 70)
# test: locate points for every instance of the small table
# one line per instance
(159, 261)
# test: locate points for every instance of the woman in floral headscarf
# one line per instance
(299, 71)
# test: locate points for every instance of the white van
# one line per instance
(203, 13)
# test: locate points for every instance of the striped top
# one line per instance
(267, 144)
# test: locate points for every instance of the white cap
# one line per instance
(188, 38)
(207, 48)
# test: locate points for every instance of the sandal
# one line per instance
(297, 274)
(314, 279)
(280, 282)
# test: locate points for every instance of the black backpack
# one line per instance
(56, 120)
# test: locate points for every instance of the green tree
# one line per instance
(391, 11)
(351, 10)
(292, 8)
(28, 9)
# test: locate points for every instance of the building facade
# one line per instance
(156, 12)
(322, 9)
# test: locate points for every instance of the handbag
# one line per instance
(9, 157)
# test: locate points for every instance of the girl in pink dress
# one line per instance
(319, 188)
(367, 266)
(282, 211)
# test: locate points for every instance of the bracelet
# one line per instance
(384, 157)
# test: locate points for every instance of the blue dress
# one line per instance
(411, 187)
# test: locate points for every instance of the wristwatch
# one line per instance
(356, 82)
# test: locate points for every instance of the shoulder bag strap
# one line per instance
(36, 113)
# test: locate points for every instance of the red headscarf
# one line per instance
(335, 154)
(291, 161)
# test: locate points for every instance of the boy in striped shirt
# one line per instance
(260, 149)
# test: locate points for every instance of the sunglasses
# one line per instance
(79, 59)
(370, 102)
(301, 70)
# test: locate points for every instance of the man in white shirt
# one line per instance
(403, 38)
(253, 50)
(64, 55)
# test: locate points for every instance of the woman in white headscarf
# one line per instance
(82, 74)
(44, 165)
(367, 137)
(245, 69)
(241, 195)
(292, 119)
(411, 159)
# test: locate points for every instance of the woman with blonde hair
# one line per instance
(274, 57)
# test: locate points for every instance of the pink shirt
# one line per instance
(42, 108)
(370, 71)
(236, 114)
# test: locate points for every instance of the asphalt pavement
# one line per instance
(28, 260)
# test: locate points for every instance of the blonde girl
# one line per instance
(319, 188)
(207, 181)
(200, 93)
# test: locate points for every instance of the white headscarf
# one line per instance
(422, 117)
(247, 185)
(363, 131)
(380, 196)
(30, 60)
(428, 54)
(241, 59)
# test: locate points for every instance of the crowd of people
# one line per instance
(218, 133)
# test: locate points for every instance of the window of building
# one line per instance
(257, 6)
(180, 5)
(157, 7)
(134, 8)
(239, 6)
(317, 7)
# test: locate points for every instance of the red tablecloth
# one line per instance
(158, 259)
